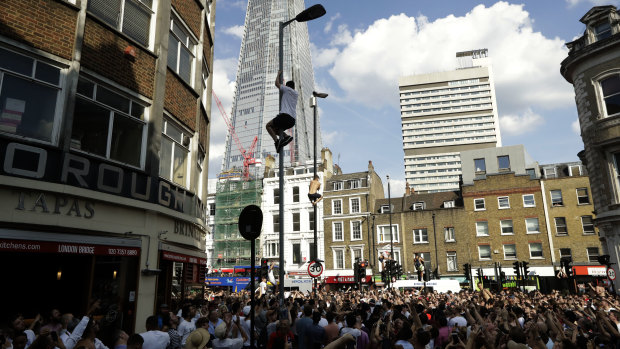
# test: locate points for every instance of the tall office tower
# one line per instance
(443, 114)
(256, 99)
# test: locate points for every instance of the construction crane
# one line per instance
(248, 155)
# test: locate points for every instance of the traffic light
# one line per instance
(526, 269)
(362, 270)
(565, 263)
(466, 267)
(517, 269)
(604, 260)
(397, 271)
(356, 272)
(264, 269)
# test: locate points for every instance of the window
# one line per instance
(427, 261)
(575, 170)
(549, 172)
(503, 202)
(337, 230)
(506, 226)
(566, 253)
(356, 230)
(276, 196)
(354, 184)
(611, 94)
(448, 204)
(503, 163)
(356, 255)
(338, 259)
(449, 234)
(385, 209)
(528, 200)
(592, 254)
(556, 198)
(602, 30)
(311, 220)
(31, 100)
(510, 251)
(383, 233)
(418, 206)
(114, 127)
(296, 253)
(296, 221)
(484, 252)
(536, 250)
(482, 228)
(211, 209)
(337, 185)
(181, 45)
(479, 205)
(531, 226)
(560, 226)
(587, 224)
(204, 81)
(531, 172)
(131, 17)
(295, 194)
(480, 166)
(272, 249)
(420, 236)
(453, 265)
(276, 223)
(337, 206)
(174, 154)
(582, 196)
(355, 205)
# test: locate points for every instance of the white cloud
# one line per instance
(330, 23)
(575, 127)
(514, 125)
(397, 187)
(525, 63)
(342, 36)
(329, 137)
(236, 30)
(223, 85)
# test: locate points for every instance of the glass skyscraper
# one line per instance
(256, 97)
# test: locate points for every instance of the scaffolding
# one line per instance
(232, 195)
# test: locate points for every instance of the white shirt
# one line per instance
(155, 340)
(405, 344)
(227, 343)
(71, 339)
(184, 329)
(289, 101)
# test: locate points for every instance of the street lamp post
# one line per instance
(391, 232)
(313, 105)
(308, 14)
(436, 256)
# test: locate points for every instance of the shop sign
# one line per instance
(348, 279)
(50, 164)
(298, 273)
(597, 271)
(66, 248)
(177, 257)
(39, 202)
(189, 229)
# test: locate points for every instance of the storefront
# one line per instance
(343, 282)
(589, 274)
(182, 275)
(43, 269)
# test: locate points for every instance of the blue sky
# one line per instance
(361, 47)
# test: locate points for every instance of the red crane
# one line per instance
(248, 156)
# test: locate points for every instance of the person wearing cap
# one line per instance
(226, 330)
(198, 339)
(246, 324)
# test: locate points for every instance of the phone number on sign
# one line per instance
(122, 252)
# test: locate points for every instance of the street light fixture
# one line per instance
(312, 12)
(313, 105)
(391, 233)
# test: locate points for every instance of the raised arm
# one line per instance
(278, 79)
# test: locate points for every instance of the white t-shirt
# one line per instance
(184, 329)
(289, 101)
(228, 343)
(155, 340)
(405, 344)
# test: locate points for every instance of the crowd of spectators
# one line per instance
(369, 319)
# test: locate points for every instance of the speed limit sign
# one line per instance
(611, 274)
(315, 269)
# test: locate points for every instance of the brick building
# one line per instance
(348, 202)
(104, 135)
(593, 68)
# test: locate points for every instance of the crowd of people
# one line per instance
(369, 319)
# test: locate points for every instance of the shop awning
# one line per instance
(591, 270)
(183, 255)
